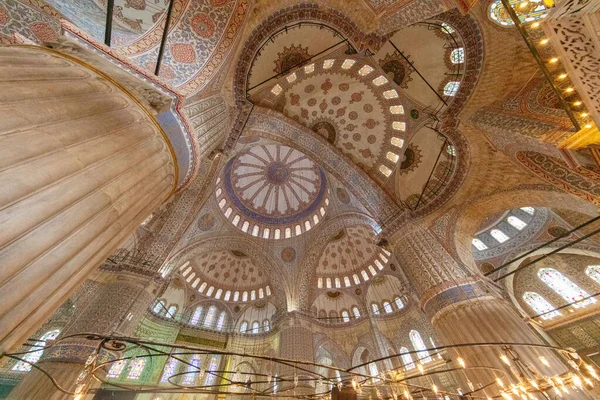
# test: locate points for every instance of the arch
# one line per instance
(337, 353)
(281, 293)
(470, 217)
(34, 356)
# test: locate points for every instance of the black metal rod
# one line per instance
(163, 42)
(506, 264)
(418, 73)
(547, 255)
(297, 65)
(540, 62)
(109, 18)
(432, 171)
(568, 304)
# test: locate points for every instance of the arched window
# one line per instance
(451, 88)
(255, 327)
(210, 291)
(347, 281)
(356, 312)
(218, 294)
(328, 283)
(364, 275)
(137, 367)
(373, 371)
(419, 345)
(406, 358)
(564, 287)
(540, 305)
(244, 327)
(500, 236)
(192, 371)
(447, 28)
(372, 270)
(211, 314)
(375, 308)
(170, 369)
(172, 311)
(457, 56)
(527, 11)
(479, 245)
(528, 210)
(245, 296)
(266, 325)
(116, 369)
(320, 283)
(593, 271)
(34, 356)
(387, 307)
(253, 295)
(212, 367)
(159, 306)
(202, 287)
(338, 283)
(227, 295)
(221, 321)
(236, 296)
(516, 222)
(345, 316)
(261, 293)
(196, 316)
(399, 303)
(356, 280)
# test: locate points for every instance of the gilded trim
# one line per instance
(128, 93)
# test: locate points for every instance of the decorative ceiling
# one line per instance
(350, 258)
(273, 192)
(226, 272)
(351, 104)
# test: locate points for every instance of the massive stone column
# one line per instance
(464, 308)
(296, 343)
(82, 163)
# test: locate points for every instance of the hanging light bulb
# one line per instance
(577, 381)
(534, 384)
(588, 381)
(461, 361)
(420, 367)
(499, 382)
(506, 396)
(557, 391)
(406, 393)
(295, 380)
(354, 384)
(514, 389)
(471, 386)
(434, 388)
(269, 378)
(505, 359)
(544, 361)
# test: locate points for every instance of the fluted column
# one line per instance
(81, 165)
(464, 309)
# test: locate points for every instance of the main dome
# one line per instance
(273, 192)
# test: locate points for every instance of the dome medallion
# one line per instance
(273, 192)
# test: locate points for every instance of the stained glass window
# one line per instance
(266, 325)
(221, 321)
(211, 315)
(137, 367)
(245, 296)
(253, 295)
(564, 287)
(244, 327)
(345, 316)
(338, 283)
(170, 369)
(192, 372)
(116, 369)
(500, 236)
(34, 356)
(593, 271)
(516, 222)
(356, 312)
(406, 358)
(457, 55)
(387, 307)
(451, 88)
(540, 305)
(347, 281)
(447, 28)
(399, 303)
(528, 210)
(255, 327)
(373, 371)
(196, 316)
(375, 308)
(212, 367)
(364, 275)
(160, 305)
(479, 245)
(171, 312)
(320, 283)
(527, 11)
(419, 345)
(356, 279)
